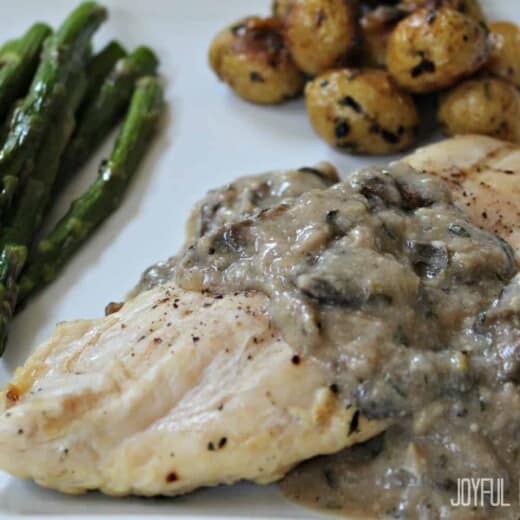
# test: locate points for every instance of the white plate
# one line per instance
(210, 137)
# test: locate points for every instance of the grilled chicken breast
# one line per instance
(175, 391)
(178, 390)
(484, 176)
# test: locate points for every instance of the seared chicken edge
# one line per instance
(175, 391)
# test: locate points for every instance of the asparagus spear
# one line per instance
(26, 215)
(106, 109)
(103, 196)
(62, 57)
(99, 68)
(18, 62)
(25, 219)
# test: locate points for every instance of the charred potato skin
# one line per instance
(488, 106)
(468, 7)
(362, 111)
(320, 34)
(432, 49)
(505, 58)
(251, 57)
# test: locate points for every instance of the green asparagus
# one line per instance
(100, 67)
(26, 216)
(12, 260)
(18, 62)
(63, 56)
(106, 109)
(103, 196)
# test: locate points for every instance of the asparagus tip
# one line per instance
(144, 54)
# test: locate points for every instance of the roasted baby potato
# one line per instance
(250, 56)
(376, 27)
(487, 106)
(320, 33)
(505, 58)
(468, 7)
(362, 111)
(433, 49)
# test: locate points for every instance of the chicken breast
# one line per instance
(179, 390)
(175, 391)
(484, 176)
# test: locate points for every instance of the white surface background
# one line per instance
(210, 137)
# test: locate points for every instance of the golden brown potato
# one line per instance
(487, 106)
(433, 49)
(320, 33)
(505, 58)
(280, 8)
(250, 56)
(376, 27)
(469, 7)
(362, 111)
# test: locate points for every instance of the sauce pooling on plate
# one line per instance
(415, 308)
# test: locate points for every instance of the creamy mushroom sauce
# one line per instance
(415, 308)
(245, 197)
